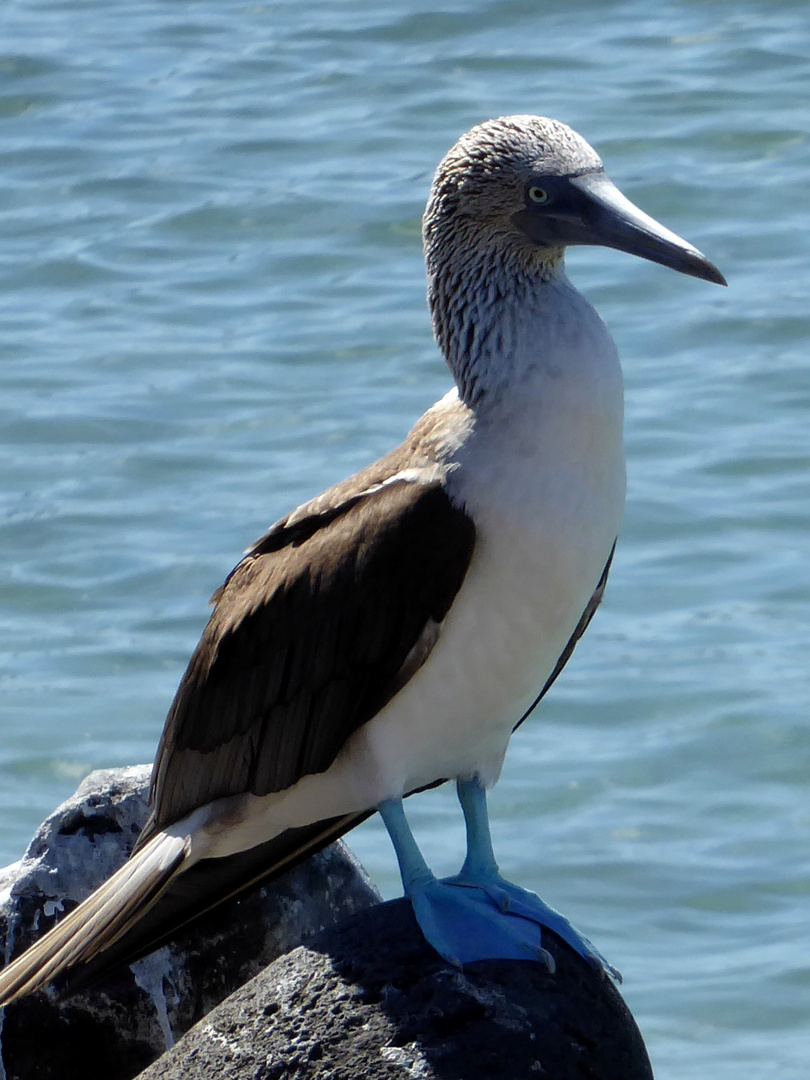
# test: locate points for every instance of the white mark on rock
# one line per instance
(409, 1058)
(150, 975)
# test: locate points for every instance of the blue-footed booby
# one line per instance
(391, 634)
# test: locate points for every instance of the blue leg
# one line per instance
(477, 915)
(480, 871)
(462, 924)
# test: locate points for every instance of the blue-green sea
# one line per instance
(212, 306)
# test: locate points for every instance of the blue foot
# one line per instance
(524, 913)
(478, 915)
(480, 872)
(464, 924)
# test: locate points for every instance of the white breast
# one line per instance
(542, 473)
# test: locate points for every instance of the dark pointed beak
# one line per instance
(609, 219)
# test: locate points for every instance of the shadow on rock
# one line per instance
(369, 998)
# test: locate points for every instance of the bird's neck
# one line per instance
(504, 330)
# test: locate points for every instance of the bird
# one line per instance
(392, 633)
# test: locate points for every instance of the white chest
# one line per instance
(541, 472)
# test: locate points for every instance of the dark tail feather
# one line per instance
(203, 887)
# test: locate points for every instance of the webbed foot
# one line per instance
(477, 914)
(464, 924)
(523, 915)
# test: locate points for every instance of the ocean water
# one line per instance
(212, 306)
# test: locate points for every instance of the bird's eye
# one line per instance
(538, 195)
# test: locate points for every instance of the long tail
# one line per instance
(155, 894)
(100, 920)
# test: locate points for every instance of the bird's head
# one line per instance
(520, 189)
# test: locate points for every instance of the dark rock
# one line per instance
(118, 1028)
(369, 1000)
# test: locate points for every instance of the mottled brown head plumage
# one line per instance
(481, 181)
(475, 252)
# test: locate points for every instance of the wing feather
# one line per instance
(309, 639)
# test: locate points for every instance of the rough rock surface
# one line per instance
(117, 1029)
(369, 1000)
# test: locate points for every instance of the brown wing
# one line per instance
(308, 640)
(581, 627)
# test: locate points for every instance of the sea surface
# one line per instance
(212, 306)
